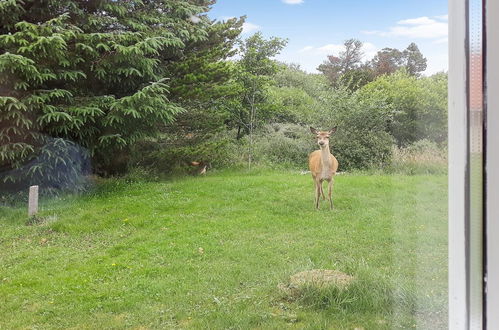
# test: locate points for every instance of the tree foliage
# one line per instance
(417, 106)
(348, 60)
(348, 69)
(157, 83)
(255, 72)
(96, 73)
(390, 60)
(203, 82)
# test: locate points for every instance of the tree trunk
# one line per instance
(238, 137)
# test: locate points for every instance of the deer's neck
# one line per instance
(325, 158)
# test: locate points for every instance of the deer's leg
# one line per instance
(330, 192)
(317, 193)
(322, 191)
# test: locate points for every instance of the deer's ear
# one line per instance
(313, 130)
(333, 130)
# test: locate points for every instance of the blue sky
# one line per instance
(317, 28)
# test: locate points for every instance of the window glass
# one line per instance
(223, 164)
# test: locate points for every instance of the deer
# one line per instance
(323, 165)
(201, 167)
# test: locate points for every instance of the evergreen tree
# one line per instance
(94, 73)
(415, 62)
(202, 82)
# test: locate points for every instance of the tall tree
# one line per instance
(202, 82)
(387, 61)
(347, 60)
(256, 68)
(352, 55)
(415, 62)
(94, 73)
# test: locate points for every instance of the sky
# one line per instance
(317, 28)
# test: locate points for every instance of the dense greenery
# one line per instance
(98, 73)
(210, 252)
(106, 86)
(143, 88)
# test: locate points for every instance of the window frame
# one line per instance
(473, 259)
(458, 153)
(492, 167)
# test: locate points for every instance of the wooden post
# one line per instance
(33, 201)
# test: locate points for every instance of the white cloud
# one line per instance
(330, 49)
(436, 63)
(369, 50)
(416, 28)
(250, 27)
(442, 17)
(306, 49)
(416, 21)
(292, 2)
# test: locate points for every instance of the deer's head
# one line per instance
(323, 136)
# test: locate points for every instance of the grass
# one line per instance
(209, 252)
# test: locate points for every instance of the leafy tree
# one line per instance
(294, 97)
(389, 60)
(347, 60)
(256, 68)
(361, 140)
(433, 101)
(416, 107)
(415, 62)
(291, 75)
(355, 79)
(92, 72)
(352, 55)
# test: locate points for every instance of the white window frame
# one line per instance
(473, 233)
(492, 165)
(458, 313)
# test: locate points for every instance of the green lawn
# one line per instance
(209, 252)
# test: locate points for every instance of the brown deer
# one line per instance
(201, 167)
(323, 165)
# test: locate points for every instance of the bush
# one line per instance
(421, 157)
(174, 153)
(363, 149)
(286, 145)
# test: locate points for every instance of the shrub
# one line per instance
(174, 153)
(362, 149)
(421, 157)
(285, 145)
(289, 145)
(362, 140)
